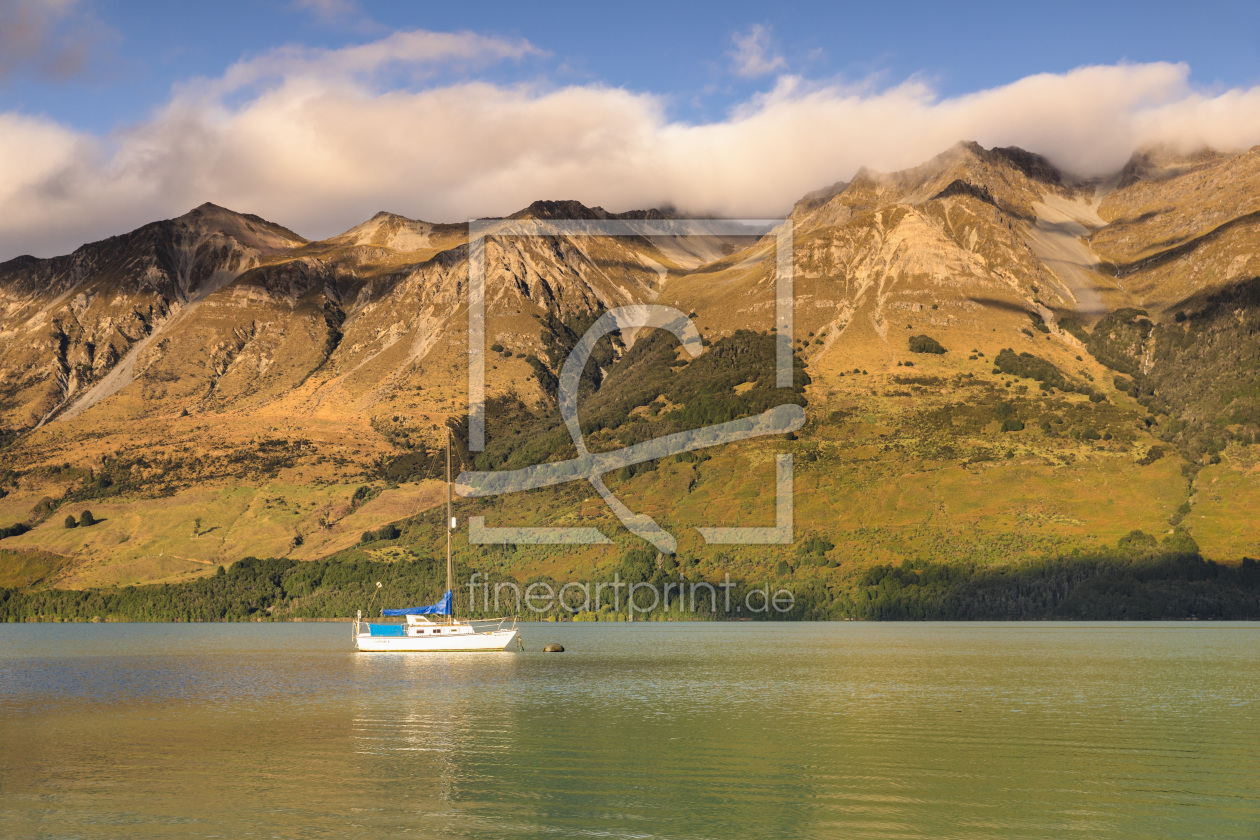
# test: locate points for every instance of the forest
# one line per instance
(1140, 580)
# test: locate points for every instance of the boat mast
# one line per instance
(450, 562)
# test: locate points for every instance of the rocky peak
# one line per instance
(247, 229)
(565, 209)
(1161, 162)
(1034, 166)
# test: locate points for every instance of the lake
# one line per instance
(719, 730)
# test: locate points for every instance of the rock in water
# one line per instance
(553, 647)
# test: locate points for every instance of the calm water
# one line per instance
(643, 731)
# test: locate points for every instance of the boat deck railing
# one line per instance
(498, 623)
(479, 625)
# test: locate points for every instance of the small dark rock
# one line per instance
(553, 647)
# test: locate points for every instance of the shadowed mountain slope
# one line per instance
(991, 353)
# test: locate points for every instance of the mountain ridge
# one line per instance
(198, 339)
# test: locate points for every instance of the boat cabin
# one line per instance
(421, 625)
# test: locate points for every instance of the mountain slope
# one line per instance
(1095, 374)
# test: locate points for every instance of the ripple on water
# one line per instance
(679, 731)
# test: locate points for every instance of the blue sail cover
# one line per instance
(442, 607)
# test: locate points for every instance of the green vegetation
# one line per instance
(85, 521)
(1200, 370)
(410, 466)
(250, 589)
(363, 495)
(813, 551)
(1119, 339)
(925, 344)
(14, 530)
(156, 475)
(1028, 366)
(1140, 579)
(27, 570)
(388, 532)
(1072, 325)
(1103, 585)
(733, 378)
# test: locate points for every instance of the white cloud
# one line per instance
(419, 52)
(754, 53)
(315, 140)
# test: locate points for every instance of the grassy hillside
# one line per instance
(1001, 369)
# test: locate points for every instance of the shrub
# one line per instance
(1137, 540)
(925, 344)
(388, 532)
(1031, 367)
(14, 530)
(1096, 397)
(1012, 425)
(70, 523)
(631, 470)
(1180, 542)
(365, 493)
(816, 545)
(87, 520)
(1073, 326)
(44, 508)
(638, 565)
(1182, 511)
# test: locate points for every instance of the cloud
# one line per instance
(50, 39)
(418, 53)
(319, 140)
(754, 53)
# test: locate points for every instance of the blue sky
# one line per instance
(678, 50)
(316, 113)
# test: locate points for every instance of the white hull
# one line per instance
(420, 635)
(494, 640)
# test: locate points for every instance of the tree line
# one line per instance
(1137, 581)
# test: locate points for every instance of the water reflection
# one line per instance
(680, 731)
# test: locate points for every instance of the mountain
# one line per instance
(998, 362)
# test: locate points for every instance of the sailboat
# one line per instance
(434, 627)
